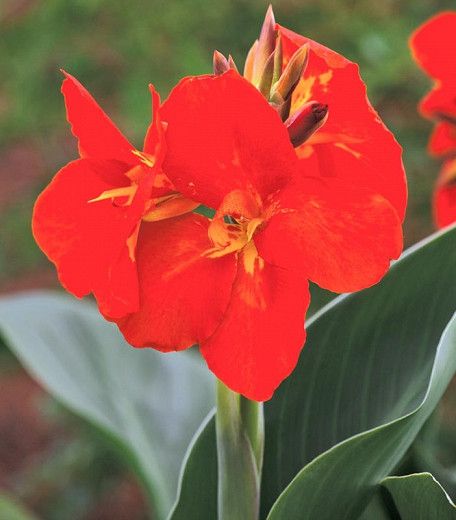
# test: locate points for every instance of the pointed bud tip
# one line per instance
(220, 63)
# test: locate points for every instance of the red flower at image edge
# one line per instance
(237, 284)
(445, 195)
(432, 46)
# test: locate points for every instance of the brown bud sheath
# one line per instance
(220, 63)
(292, 73)
(306, 121)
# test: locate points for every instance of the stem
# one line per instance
(240, 439)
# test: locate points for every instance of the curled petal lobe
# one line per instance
(183, 294)
(432, 43)
(88, 241)
(340, 237)
(154, 142)
(222, 135)
(97, 136)
(445, 195)
(252, 351)
(353, 144)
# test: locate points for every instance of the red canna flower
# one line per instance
(87, 220)
(278, 223)
(445, 195)
(304, 181)
(431, 44)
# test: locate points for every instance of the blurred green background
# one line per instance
(116, 48)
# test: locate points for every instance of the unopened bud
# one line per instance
(266, 44)
(220, 63)
(231, 63)
(292, 73)
(278, 59)
(249, 61)
(306, 121)
(264, 85)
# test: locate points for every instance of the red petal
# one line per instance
(440, 101)
(354, 144)
(258, 343)
(154, 143)
(445, 196)
(432, 45)
(341, 237)
(182, 294)
(97, 135)
(88, 241)
(222, 136)
(443, 139)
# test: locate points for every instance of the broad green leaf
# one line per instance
(347, 471)
(10, 509)
(367, 362)
(149, 403)
(419, 497)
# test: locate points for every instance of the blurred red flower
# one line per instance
(445, 195)
(431, 46)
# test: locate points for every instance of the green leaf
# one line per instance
(10, 509)
(348, 470)
(419, 497)
(149, 403)
(199, 473)
(367, 362)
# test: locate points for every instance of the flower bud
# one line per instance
(220, 63)
(306, 121)
(292, 74)
(265, 47)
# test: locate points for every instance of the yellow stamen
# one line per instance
(146, 158)
(125, 191)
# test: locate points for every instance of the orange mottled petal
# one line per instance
(183, 294)
(341, 237)
(353, 145)
(222, 135)
(88, 241)
(97, 135)
(262, 333)
(445, 195)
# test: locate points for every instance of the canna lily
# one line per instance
(428, 44)
(285, 211)
(431, 44)
(87, 220)
(445, 195)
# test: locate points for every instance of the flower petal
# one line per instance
(353, 144)
(183, 294)
(445, 195)
(262, 333)
(222, 135)
(97, 135)
(87, 241)
(443, 139)
(432, 43)
(341, 237)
